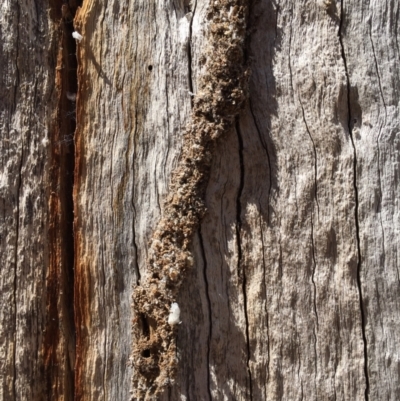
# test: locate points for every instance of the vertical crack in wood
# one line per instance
(189, 51)
(265, 298)
(313, 271)
(15, 303)
(240, 265)
(355, 185)
(314, 298)
(15, 287)
(220, 95)
(378, 145)
(315, 156)
(290, 50)
(16, 86)
(17, 41)
(59, 335)
(136, 262)
(265, 147)
(210, 327)
(312, 232)
(104, 311)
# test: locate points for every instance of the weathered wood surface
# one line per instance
(294, 293)
(28, 336)
(36, 280)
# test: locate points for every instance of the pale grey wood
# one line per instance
(373, 71)
(143, 73)
(294, 293)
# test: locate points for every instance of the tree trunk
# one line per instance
(288, 284)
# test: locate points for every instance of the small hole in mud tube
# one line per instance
(146, 353)
(144, 325)
(150, 67)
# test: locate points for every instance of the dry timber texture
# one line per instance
(289, 281)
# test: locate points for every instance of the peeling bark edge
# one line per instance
(222, 92)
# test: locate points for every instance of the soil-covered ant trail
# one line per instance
(222, 90)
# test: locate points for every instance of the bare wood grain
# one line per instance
(294, 292)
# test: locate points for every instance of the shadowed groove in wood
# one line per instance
(59, 338)
(240, 263)
(17, 229)
(14, 379)
(206, 284)
(221, 93)
(356, 206)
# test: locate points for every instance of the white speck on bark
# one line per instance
(174, 314)
(77, 36)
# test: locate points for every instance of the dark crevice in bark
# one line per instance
(17, 73)
(136, 262)
(265, 146)
(280, 260)
(315, 328)
(210, 330)
(334, 391)
(313, 269)
(167, 76)
(189, 53)
(376, 66)
(265, 298)
(315, 155)
(67, 166)
(276, 19)
(59, 337)
(157, 192)
(241, 268)
(295, 188)
(289, 56)
(187, 387)
(104, 312)
(299, 359)
(395, 23)
(355, 184)
(103, 15)
(378, 147)
(381, 193)
(315, 353)
(19, 184)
